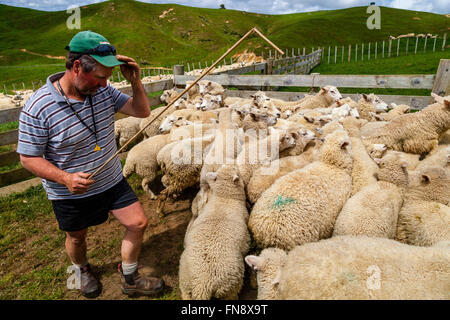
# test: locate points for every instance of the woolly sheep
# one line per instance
(208, 268)
(396, 111)
(424, 218)
(323, 99)
(187, 114)
(373, 211)
(302, 206)
(354, 268)
(210, 102)
(181, 162)
(370, 104)
(152, 129)
(364, 168)
(262, 178)
(126, 128)
(417, 132)
(168, 96)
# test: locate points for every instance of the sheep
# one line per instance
(323, 99)
(364, 168)
(153, 129)
(141, 159)
(370, 103)
(373, 211)
(257, 121)
(210, 102)
(371, 127)
(187, 114)
(424, 219)
(396, 111)
(302, 206)
(168, 96)
(126, 128)
(270, 108)
(416, 132)
(301, 141)
(254, 152)
(212, 88)
(194, 91)
(208, 268)
(262, 178)
(355, 268)
(181, 162)
(445, 138)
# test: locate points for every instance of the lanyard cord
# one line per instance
(76, 113)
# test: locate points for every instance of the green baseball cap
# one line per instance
(95, 45)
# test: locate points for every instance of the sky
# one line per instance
(258, 6)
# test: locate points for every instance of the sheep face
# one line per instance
(210, 102)
(168, 95)
(268, 266)
(269, 108)
(431, 183)
(168, 123)
(337, 151)
(376, 150)
(259, 97)
(226, 181)
(393, 168)
(333, 92)
(380, 105)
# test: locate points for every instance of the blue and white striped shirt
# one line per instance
(48, 127)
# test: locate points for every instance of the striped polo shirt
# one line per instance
(48, 127)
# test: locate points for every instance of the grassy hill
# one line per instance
(187, 34)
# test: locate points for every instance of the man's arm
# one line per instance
(137, 106)
(77, 182)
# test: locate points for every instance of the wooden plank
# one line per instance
(149, 86)
(10, 114)
(346, 81)
(442, 83)
(15, 175)
(9, 157)
(9, 137)
(416, 102)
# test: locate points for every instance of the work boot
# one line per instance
(138, 283)
(90, 287)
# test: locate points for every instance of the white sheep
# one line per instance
(212, 263)
(186, 114)
(373, 211)
(302, 206)
(354, 268)
(323, 99)
(126, 128)
(424, 218)
(370, 104)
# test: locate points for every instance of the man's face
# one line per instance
(87, 83)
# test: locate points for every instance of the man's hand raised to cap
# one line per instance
(131, 71)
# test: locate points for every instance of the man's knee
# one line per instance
(138, 225)
(76, 237)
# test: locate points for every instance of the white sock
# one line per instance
(129, 268)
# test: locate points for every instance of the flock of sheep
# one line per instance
(335, 198)
(11, 101)
(413, 35)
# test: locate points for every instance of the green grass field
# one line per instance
(193, 35)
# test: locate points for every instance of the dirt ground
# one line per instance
(160, 254)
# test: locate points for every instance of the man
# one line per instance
(66, 132)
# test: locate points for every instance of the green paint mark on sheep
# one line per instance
(280, 202)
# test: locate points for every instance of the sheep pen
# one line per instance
(254, 138)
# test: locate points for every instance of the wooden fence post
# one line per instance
(362, 52)
(441, 84)
(329, 50)
(383, 50)
(434, 44)
(304, 51)
(398, 46)
(389, 49)
(335, 54)
(425, 44)
(376, 49)
(368, 52)
(443, 43)
(342, 53)
(178, 70)
(349, 52)
(417, 41)
(407, 45)
(356, 52)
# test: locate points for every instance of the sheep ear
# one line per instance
(252, 96)
(277, 278)
(344, 144)
(365, 97)
(378, 160)
(425, 179)
(235, 178)
(253, 116)
(309, 119)
(255, 262)
(295, 135)
(394, 105)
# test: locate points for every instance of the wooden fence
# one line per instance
(438, 83)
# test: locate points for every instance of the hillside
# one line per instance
(194, 34)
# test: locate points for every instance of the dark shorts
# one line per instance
(78, 214)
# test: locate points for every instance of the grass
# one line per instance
(9, 126)
(188, 34)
